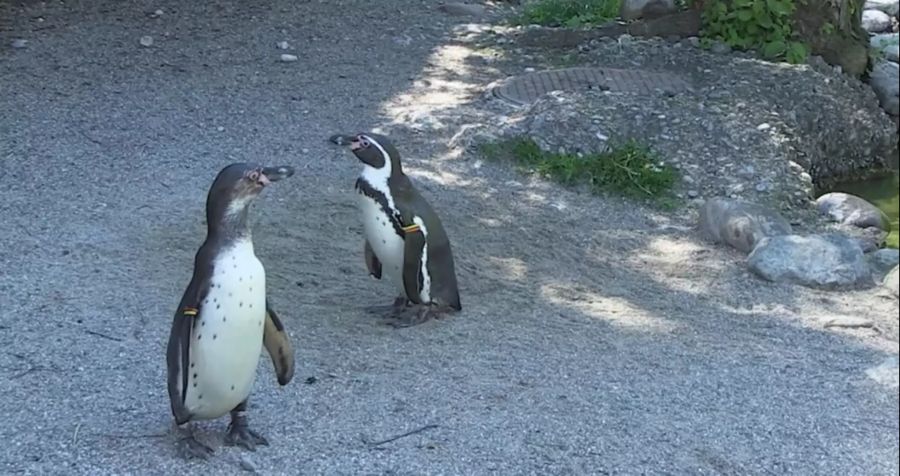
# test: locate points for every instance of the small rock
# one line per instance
(849, 322)
(693, 41)
(220, 129)
(720, 48)
(886, 373)
(885, 80)
(19, 43)
(156, 14)
(828, 261)
(883, 261)
(851, 210)
(762, 186)
(763, 127)
(283, 45)
(286, 58)
(693, 194)
(891, 7)
(740, 224)
(247, 464)
(875, 21)
(146, 41)
(463, 9)
(634, 9)
(891, 282)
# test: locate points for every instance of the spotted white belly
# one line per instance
(227, 338)
(380, 234)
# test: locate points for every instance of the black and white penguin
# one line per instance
(224, 318)
(404, 238)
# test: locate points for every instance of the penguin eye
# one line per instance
(364, 143)
(253, 176)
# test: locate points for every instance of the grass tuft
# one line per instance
(569, 13)
(630, 169)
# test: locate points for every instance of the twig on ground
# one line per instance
(105, 336)
(404, 435)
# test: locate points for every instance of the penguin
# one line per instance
(225, 318)
(404, 237)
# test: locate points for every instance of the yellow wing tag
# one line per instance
(189, 311)
(411, 228)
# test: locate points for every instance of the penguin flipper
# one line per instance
(178, 358)
(278, 345)
(413, 245)
(372, 262)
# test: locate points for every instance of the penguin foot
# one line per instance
(240, 434)
(413, 316)
(190, 448)
(389, 310)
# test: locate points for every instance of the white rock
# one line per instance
(158, 13)
(19, 43)
(283, 45)
(875, 21)
(828, 261)
(763, 127)
(146, 41)
(885, 80)
(286, 58)
(891, 7)
(220, 129)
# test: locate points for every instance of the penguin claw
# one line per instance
(245, 437)
(190, 448)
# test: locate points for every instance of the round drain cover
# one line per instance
(526, 88)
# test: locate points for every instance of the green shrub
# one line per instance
(569, 13)
(762, 25)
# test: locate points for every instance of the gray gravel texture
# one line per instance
(597, 337)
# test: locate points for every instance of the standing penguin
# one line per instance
(224, 318)
(404, 237)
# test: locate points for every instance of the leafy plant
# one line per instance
(569, 13)
(630, 169)
(763, 25)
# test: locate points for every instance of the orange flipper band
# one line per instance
(189, 311)
(411, 228)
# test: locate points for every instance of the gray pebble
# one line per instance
(146, 41)
(247, 464)
(286, 58)
(19, 43)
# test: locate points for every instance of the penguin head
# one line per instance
(375, 150)
(237, 185)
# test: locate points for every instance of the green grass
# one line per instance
(569, 13)
(628, 169)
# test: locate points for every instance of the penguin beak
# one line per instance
(274, 174)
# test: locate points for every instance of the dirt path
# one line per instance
(597, 336)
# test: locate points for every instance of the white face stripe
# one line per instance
(236, 206)
(378, 178)
(425, 292)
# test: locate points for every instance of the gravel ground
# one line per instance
(596, 337)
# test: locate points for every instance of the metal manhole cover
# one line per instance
(528, 87)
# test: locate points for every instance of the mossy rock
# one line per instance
(832, 29)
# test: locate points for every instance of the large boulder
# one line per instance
(891, 7)
(885, 80)
(834, 32)
(849, 209)
(827, 261)
(740, 224)
(876, 21)
(892, 281)
(883, 261)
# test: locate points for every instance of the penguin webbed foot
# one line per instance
(416, 314)
(240, 434)
(389, 310)
(190, 448)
